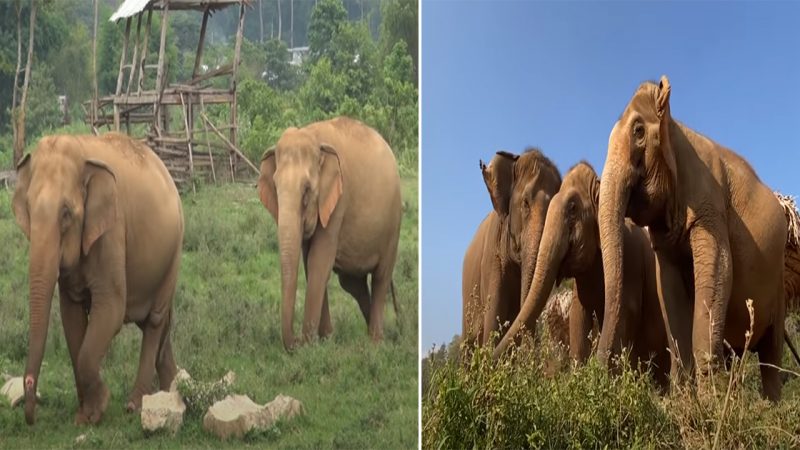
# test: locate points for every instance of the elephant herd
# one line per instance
(105, 222)
(667, 251)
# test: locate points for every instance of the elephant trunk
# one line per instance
(289, 236)
(614, 196)
(553, 249)
(42, 274)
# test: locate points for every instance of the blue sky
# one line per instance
(505, 75)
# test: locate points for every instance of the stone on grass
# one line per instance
(14, 390)
(235, 415)
(181, 376)
(163, 410)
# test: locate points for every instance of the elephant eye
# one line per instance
(638, 131)
(306, 194)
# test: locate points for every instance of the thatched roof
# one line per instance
(130, 8)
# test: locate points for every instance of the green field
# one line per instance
(356, 394)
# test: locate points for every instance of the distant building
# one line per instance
(299, 54)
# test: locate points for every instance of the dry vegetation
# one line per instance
(536, 398)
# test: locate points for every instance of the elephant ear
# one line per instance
(499, 179)
(20, 201)
(100, 205)
(664, 117)
(330, 182)
(266, 183)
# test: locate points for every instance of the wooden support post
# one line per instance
(94, 71)
(198, 56)
(135, 57)
(208, 142)
(234, 75)
(141, 63)
(160, 72)
(188, 141)
(230, 145)
(121, 68)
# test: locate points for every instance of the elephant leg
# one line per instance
(503, 302)
(74, 320)
(676, 311)
(580, 325)
(713, 274)
(356, 285)
(156, 352)
(107, 315)
(325, 326)
(381, 280)
(321, 256)
(770, 352)
(166, 367)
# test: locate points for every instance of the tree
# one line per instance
(280, 74)
(19, 111)
(400, 23)
(327, 17)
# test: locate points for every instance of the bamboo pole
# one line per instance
(230, 144)
(198, 57)
(141, 66)
(160, 71)
(93, 112)
(121, 68)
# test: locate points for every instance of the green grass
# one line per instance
(535, 397)
(356, 394)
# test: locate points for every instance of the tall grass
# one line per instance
(356, 394)
(536, 398)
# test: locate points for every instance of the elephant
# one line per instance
(570, 248)
(718, 233)
(500, 260)
(104, 219)
(333, 189)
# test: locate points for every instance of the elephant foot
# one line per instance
(93, 407)
(135, 400)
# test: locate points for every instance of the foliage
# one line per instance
(42, 112)
(200, 395)
(279, 73)
(535, 398)
(400, 24)
(327, 18)
(227, 317)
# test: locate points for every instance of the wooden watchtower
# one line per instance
(176, 123)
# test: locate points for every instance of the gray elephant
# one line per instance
(334, 190)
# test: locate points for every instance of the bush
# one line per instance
(533, 398)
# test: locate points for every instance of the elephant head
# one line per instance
(521, 187)
(63, 203)
(639, 181)
(300, 184)
(570, 244)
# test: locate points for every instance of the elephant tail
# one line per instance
(791, 271)
(394, 300)
(791, 347)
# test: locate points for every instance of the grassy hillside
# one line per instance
(356, 394)
(536, 398)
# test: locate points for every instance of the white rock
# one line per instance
(163, 410)
(14, 390)
(235, 415)
(181, 376)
